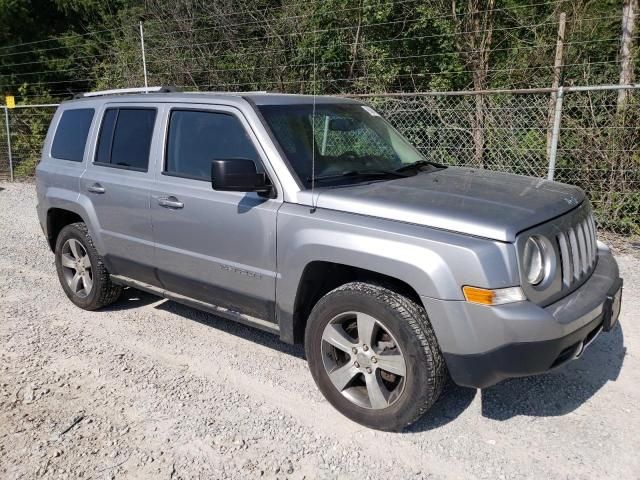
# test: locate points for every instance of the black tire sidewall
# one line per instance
(416, 390)
(90, 302)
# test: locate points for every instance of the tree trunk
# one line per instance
(481, 14)
(479, 123)
(474, 35)
(354, 49)
(629, 13)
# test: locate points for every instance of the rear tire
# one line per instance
(81, 270)
(358, 331)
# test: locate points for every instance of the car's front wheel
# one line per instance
(373, 354)
(81, 270)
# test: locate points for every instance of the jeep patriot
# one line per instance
(314, 219)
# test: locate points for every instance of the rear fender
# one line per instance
(80, 205)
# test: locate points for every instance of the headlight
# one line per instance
(534, 260)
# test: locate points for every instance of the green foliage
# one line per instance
(341, 46)
(28, 129)
(333, 46)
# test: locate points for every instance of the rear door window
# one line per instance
(71, 135)
(196, 138)
(125, 138)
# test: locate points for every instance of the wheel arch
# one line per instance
(57, 219)
(64, 208)
(320, 277)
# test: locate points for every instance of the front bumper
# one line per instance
(484, 345)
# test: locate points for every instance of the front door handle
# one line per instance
(96, 188)
(170, 202)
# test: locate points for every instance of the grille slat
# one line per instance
(565, 259)
(592, 247)
(582, 240)
(594, 241)
(575, 253)
(578, 250)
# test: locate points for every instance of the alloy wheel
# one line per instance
(363, 360)
(76, 267)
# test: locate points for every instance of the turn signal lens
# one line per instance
(478, 295)
(498, 296)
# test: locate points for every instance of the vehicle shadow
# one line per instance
(561, 391)
(453, 401)
(552, 394)
(249, 201)
(132, 298)
(250, 334)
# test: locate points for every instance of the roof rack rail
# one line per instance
(122, 91)
(225, 92)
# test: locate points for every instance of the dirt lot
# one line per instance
(152, 389)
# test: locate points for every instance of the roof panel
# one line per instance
(259, 98)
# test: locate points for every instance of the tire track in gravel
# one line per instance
(235, 402)
(309, 410)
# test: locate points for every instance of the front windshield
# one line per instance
(347, 138)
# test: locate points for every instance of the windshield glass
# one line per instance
(349, 138)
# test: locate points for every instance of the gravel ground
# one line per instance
(152, 389)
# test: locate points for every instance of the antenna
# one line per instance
(313, 130)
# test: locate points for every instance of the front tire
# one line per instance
(374, 355)
(81, 270)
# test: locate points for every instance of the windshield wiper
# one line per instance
(360, 173)
(418, 164)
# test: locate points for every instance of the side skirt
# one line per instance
(197, 304)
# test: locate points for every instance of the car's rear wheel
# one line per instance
(81, 270)
(374, 356)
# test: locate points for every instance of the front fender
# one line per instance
(434, 263)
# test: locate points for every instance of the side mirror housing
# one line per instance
(238, 175)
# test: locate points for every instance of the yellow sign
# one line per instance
(10, 101)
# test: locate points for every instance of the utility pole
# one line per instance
(557, 76)
(144, 60)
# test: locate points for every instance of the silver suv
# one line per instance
(312, 218)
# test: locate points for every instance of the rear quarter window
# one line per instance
(71, 135)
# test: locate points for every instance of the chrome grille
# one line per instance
(578, 251)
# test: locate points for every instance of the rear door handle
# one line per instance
(170, 202)
(96, 188)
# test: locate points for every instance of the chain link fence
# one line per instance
(508, 135)
(598, 146)
(6, 167)
(600, 152)
(28, 126)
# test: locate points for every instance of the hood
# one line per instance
(476, 202)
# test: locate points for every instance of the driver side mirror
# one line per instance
(238, 175)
